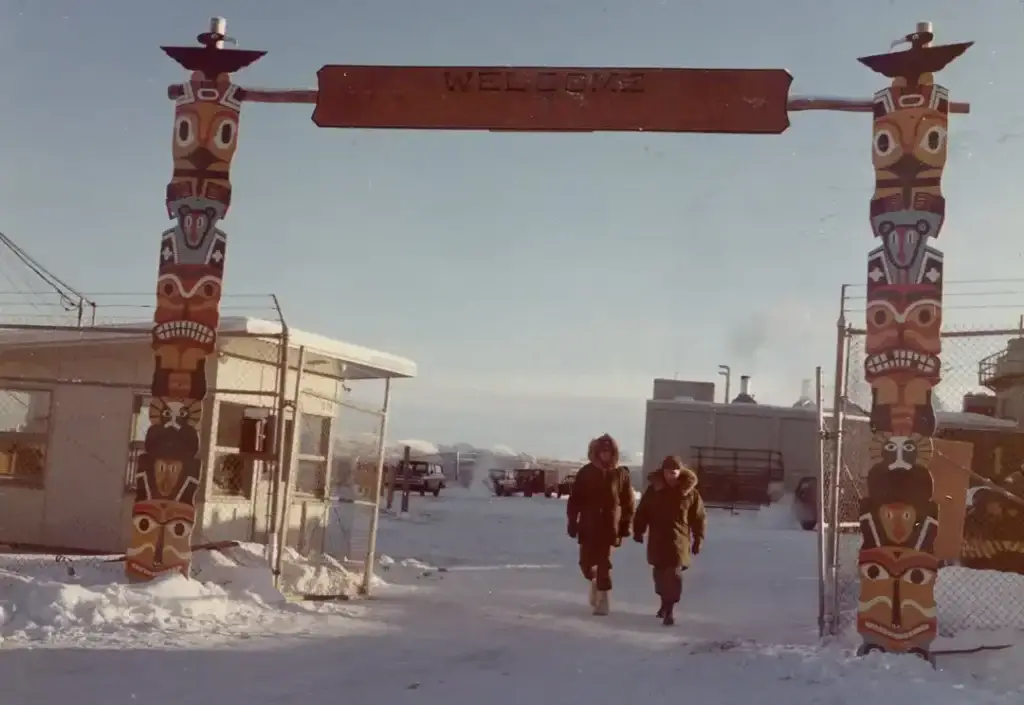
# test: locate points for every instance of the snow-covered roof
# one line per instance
(385, 364)
(967, 419)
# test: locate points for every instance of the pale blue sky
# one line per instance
(540, 281)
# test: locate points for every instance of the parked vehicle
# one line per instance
(503, 482)
(565, 485)
(525, 481)
(423, 477)
(805, 506)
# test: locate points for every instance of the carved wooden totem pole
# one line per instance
(190, 274)
(898, 516)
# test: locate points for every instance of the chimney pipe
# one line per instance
(805, 389)
(745, 385)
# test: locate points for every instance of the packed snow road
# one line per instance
(502, 617)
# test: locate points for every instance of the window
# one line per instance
(136, 442)
(229, 424)
(311, 459)
(232, 474)
(314, 435)
(24, 428)
(310, 477)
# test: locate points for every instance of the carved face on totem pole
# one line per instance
(896, 609)
(903, 341)
(187, 308)
(195, 239)
(204, 142)
(898, 509)
(173, 427)
(909, 156)
(163, 516)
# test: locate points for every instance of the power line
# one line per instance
(70, 298)
(62, 288)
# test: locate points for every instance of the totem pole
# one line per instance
(190, 275)
(899, 518)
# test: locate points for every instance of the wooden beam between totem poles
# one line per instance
(850, 105)
(309, 96)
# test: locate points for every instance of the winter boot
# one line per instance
(663, 610)
(601, 608)
(666, 617)
(593, 593)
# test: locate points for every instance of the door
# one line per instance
(263, 490)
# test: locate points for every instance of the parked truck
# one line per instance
(525, 481)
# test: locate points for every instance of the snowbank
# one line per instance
(48, 597)
(245, 568)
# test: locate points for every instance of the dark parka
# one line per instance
(601, 503)
(674, 517)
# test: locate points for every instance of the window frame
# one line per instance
(218, 451)
(140, 409)
(36, 438)
(321, 461)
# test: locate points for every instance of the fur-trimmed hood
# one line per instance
(602, 443)
(687, 477)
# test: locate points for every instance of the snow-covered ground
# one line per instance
(481, 600)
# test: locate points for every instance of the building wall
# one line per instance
(676, 427)
(246, 518)
(82, 503)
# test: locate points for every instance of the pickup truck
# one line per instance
(423, 477)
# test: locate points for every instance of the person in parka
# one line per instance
(672, 513)
(600, 509)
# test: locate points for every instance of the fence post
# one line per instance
(275, 476)
(735, 489)
(289, 476)
(820, 499)
(838, 415)
(371, 547)
(406, 476)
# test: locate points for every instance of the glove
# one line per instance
(696, 546)
(617, 542)
(639, 538)
(572, 531)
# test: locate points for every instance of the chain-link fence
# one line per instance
(357, 473)
(980, 585)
